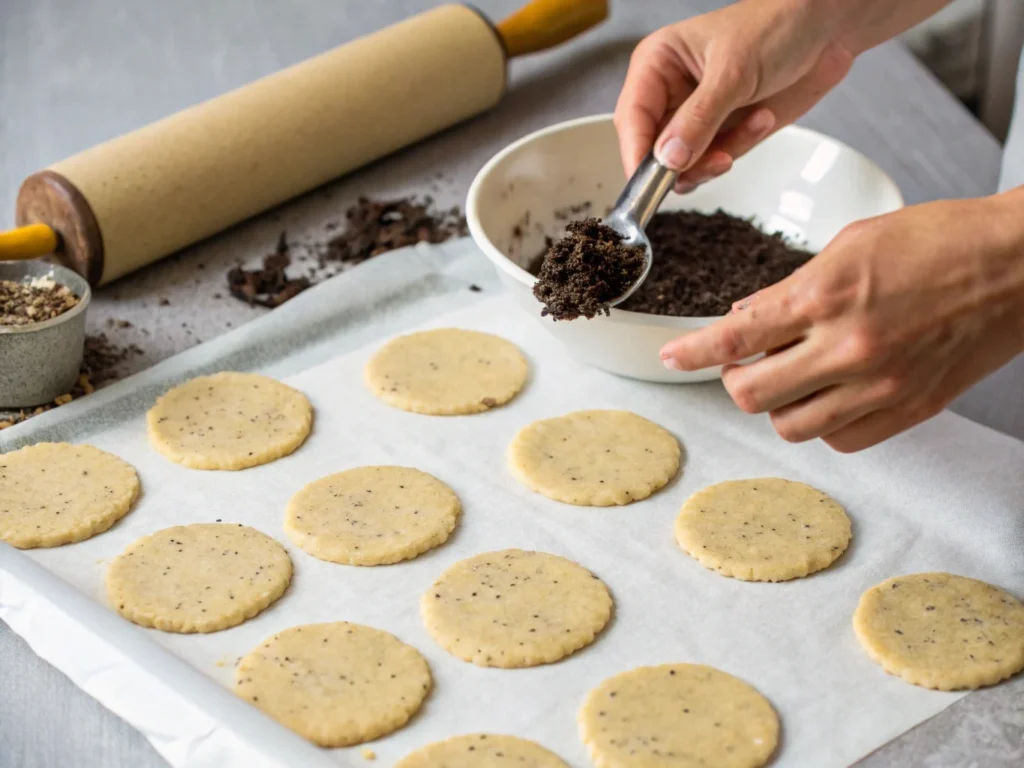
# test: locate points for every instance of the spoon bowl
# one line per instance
(640, 199)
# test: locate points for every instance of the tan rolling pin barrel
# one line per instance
(137, 198)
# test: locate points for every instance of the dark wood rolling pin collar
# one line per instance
(48, 198)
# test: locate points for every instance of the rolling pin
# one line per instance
(137, 198)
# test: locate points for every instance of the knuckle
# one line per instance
(745, 396)
(646, 47)
(700, 111)
(815, 300)
(861, 348)
(731, 344)
(927, 408)
(855, 230)
(841, 443)
(891, 386)
(788, 429)
(733, 72)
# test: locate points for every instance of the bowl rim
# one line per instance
(61, 275)
(520, 275)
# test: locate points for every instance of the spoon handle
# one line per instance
(645, 191)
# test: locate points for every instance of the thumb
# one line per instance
(699, 119)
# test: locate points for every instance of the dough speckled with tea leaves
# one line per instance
(229, 421)
(372, 515)
(202, 577)
(938, 630)
(446, 372)
(336, 684)
(594, 458)
(482, 750)
(679, 715)
(515, 608)
(58, 493)
(766, 529)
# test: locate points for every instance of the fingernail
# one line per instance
(684, 187)
(670, 363)
(761, 122)
(674, 154)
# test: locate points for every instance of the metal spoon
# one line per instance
(638, 202)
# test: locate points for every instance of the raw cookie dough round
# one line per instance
(446, 372)
(336, 684)
(515, 608)
(482, 750)
(198, 578)
(57, 493)
(594, 458)
(942, 631)
(763, 530)
(372, 515)
(683, 715)
(229, 421)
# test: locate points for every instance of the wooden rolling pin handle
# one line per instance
(544, 24)
(47, 198)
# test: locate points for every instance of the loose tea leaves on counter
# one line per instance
(372, 227)
(586, 269)
(268, 286)
(703, 263)
(26, 303)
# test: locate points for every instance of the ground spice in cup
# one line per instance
(584, 270)
(26, 303)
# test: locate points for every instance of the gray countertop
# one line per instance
(76, 72)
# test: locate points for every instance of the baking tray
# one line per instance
(946, 496)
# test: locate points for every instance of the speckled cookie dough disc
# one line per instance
(446, 372)
(680, 715)
(372, 515)
(482, 750)
(198, 578)
(594, 458)
(515, 608)
(57, 493)
(763, 530)
(942, 631)
(229, 421)
(336, 684)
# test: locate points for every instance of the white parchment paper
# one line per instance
(947, 496)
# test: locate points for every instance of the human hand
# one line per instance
(881, 330)
(710, 88)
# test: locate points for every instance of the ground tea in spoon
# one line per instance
(586, 269)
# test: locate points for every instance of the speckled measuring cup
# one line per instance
(39, 362)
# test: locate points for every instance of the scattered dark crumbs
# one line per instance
(703, 263)
(584, 270)
(24, 303)
(371, 227)
(268, 286)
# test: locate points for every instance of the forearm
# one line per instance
(858, 25)
(1008, 271)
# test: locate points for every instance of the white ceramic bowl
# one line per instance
(798, 181)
